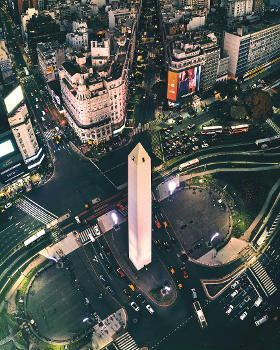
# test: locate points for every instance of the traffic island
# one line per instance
(151, 279)
(199, 217)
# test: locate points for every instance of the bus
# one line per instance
(200, 315)
(34, 238)
(266, 143)
(189, 164)
(235, 129)
(212, 130)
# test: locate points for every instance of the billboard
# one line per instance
(6, 147)
(172, 86)
(13, 99)
(183, 83)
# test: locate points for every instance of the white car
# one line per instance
(149, 308)
(43, 112)
(229, 309)
(243, 315)
(204, 145)
(234, 293)
(195, 148)
(36, 99)
(194, 294)
(194, 139)
(135, 306)
(37, 106)
(96, 230)
(8, 205)
(235, 284)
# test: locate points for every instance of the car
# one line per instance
(131, 286)
(141, 298)
(179, 285)
(127, 292)
(120, 272)
(195, 148)
(110, 290)
(194, 294)
(229, 309)
(191, 126)
(261, 320)
(43, 112)
(8, 205)
(183, 269)
(96, 230)
(37, 106)
(245, 313)
(258, 302)
(102, 278)
(235, 284)
(158, 225)
(204, 145)
(194, 139)
(171, 269)
(234, 293)
(150, 309)
(36, 99)
(134, 306)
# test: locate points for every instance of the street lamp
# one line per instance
(171, 186)
(215, 235)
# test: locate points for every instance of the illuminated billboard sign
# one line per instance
(183, 83)
(14, 99)
(172, 86)
(6, 148)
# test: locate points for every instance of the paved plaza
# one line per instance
(195, 215)
(55, 305)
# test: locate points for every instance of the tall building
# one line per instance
(239, 8)
(258, 6)
(78, 39)
(50, 58)
(193, 64)
(5, 62)
(139, 207)
(250, 48)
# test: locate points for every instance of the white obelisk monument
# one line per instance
(139, 207)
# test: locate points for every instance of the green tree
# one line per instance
(258, 104)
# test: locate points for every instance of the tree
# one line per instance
(258, 104)
(238, 112)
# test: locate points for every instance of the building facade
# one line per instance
(5, 62)
(239, 8)
(50, 58)
(250, 48)
(139, 207)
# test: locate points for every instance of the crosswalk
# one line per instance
(273, 125)
(126, 342)
(85, 235)
(35, 210)
(50, 133)
(262, 277)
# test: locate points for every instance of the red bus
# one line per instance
(238, 128)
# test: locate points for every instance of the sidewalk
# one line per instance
(104, 332)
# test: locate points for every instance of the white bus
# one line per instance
(34, 237)
(200, 314)
(266, 143)
(239, 128)
(189, 164)
(212, 130)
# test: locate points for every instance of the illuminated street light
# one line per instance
(115, 218)
(171, 186)
(215, 235)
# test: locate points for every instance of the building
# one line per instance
(253, 48)
(19, 150)
(22, 130)
(193, 64)
(50, 58)
(5, 63)
(139, 207)
(42, 28)
(78, 39)
(239, 8)
(222, 73)
(25, 17)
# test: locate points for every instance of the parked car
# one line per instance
(229, 309)
(243, 315)
(134, 306)
(150, 309)
(235, 284)
(194, 294)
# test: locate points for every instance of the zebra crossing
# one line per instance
(50, 133)
(85, 234)
(126, 342)
(262, 277)
(35, 210)
(273, 125)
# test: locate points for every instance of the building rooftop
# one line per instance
(4, 54)
(251, 28)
